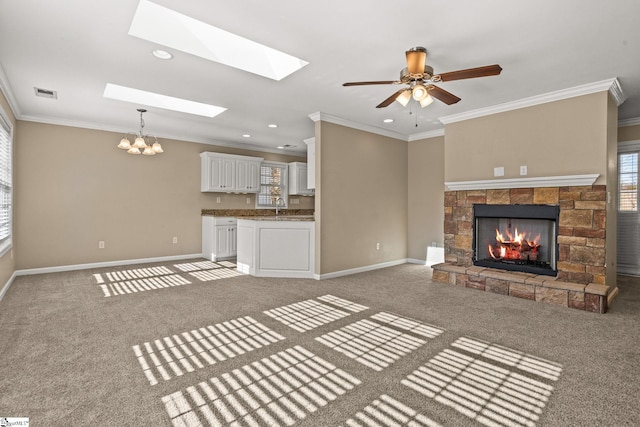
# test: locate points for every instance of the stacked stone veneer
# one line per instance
(580, 282)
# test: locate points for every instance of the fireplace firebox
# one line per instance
(516, 237)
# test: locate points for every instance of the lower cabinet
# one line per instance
(219, 237)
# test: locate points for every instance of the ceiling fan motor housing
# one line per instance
(406, 77)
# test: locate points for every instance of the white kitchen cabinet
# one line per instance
(298, 180)
(219, 237)
(228, 173)
(248, 175)
(276, 248)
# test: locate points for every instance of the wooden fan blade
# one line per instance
(390, 99)
(442, 95)
(385, 82)
(470, 73)
(416, 59)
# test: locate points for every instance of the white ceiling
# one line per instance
(75, 47)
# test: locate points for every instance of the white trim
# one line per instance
(5, 88)
(416, 261)
(354, 125)
(629, 122)
(543, 181)
(7, 285)
(611, 85)
(61, 268)
(359, 269)
(426, 135)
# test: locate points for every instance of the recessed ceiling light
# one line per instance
(162, 54)
(246, 135)
(169, 28)
(273, 125)
(282, 147)
(388, 120)
(136, 96)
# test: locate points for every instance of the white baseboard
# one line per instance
(416, 261)
(360, 269)
(102, 264)
(7, 285)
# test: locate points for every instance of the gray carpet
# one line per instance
(192, 343)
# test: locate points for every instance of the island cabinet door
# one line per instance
(225, 241)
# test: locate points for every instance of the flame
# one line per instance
(514, 246)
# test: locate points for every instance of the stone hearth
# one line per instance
(580, 282)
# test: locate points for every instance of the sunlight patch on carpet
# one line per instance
(172, 356)
(373, 344)
(490, 394)
(198, 265)
(221, 273)
(141, 285)
(526, 362)
(277, 390)
(310, 314)
(389, 412)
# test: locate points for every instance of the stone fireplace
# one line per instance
(576, 258)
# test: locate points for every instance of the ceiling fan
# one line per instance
(420, 78)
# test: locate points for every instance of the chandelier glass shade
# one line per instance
(147, 145)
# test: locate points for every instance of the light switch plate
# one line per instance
(499, 171)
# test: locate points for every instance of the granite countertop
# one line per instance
(263, 214)
(278, 218)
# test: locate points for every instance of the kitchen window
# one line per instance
(273, 185)
(6, 187)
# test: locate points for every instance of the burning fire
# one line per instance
(515, 247)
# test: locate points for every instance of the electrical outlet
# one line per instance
(377, 246)
(175, 239)
(218, 199)
(248, 200)
(499, 171)
(523, 170)
(295, 201)
(101, 244)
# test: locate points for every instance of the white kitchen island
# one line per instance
(276, 246)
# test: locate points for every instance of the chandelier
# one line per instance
(141, 142)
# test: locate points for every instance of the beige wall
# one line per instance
(74, 188)
(363, 193)
(425, 195)
(7, 261)
(629, 133)
(565, 137)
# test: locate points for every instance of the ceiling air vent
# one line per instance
(46, 93)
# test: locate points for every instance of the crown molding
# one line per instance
(426, 135)
(220, 143)
(543, 181)
(355, 125)
(629, 122)
(610, 85)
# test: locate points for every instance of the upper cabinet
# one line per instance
(229, 173)
(298, 180)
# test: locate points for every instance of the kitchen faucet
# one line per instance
(278, 200)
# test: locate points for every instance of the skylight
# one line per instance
(136, 96)
(166, 27)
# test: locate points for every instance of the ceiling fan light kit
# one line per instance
(420, 78)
